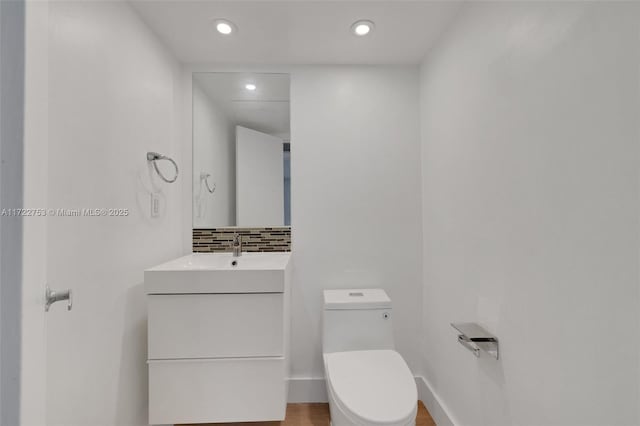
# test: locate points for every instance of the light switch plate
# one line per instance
(155, 205)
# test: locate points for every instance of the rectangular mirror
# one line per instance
(241, 150)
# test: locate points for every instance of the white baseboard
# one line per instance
(436, 407)
(313, 389)
(307, 389)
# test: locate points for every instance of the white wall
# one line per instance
(214, 153)
(355, 207)
(114, 94)
(12, 101)
(259, 179)
(530, 212)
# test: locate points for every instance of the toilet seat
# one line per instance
(372, 387)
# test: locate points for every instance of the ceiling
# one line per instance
(265, 109)
(298, 31)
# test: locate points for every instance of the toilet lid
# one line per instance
(374, 386)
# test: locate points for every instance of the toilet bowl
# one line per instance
(370, 388)
(368, 382)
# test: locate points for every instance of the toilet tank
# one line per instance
(356, 319)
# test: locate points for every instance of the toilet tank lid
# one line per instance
(356, 298)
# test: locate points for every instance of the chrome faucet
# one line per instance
(236, 245)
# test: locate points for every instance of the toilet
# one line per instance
(368, 382)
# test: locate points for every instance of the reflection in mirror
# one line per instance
(241, 150)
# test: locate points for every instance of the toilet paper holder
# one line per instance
(475, 338)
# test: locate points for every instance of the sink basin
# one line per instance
(219, 273)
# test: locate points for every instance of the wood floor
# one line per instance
(318, 415)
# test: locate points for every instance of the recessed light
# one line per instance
(250, 86)
(224, 27)
(362, 27)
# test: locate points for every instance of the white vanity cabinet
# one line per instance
(216, 355)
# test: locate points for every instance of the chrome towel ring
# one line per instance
(205, 177)
(153, 157)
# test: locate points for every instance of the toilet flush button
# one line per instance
(386, 315)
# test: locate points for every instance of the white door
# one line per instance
(33, 373)
(87, 129)
(259, 179)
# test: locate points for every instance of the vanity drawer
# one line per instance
(215, 325)
(217, 390)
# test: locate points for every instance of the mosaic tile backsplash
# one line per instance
(215, 240)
